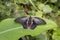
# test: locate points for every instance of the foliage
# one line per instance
(12, 30)
(49, 10)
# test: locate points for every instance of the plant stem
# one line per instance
(33, 5)
(46, 2)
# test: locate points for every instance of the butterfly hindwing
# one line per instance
(34, 25)
(24, 25)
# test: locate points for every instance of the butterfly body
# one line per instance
(30, 22)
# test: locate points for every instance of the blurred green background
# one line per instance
(49, 9)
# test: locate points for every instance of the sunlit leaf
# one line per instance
(39, 14)
(47, 9)
(53, 1)
(58, 13)
(56, 35)
(40, 6)
(9, 30)
(22, 1)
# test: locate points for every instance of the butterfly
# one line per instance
(30, 22)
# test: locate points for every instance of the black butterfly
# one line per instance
(30, 22)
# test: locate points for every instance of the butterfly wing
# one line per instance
(33, 26)
(24, 25)
(39, 21)
(22, 20)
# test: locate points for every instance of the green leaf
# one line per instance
(58, 13)
(53, 1)
(39, 14)
(2, 7)
(22, 1)
(40, 6)
(47, 9)
(9, 30)
(56, 34)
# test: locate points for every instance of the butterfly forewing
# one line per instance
(39, 20)
(22, 20)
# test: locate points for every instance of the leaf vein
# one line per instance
(10, 30)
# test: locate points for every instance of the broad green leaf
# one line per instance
(56, 34)
(39, 14)
(22, 1)
(58, 13)
(40, 6)
(2, 7)
(9, 30)
(47, 9)
(53, 1)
